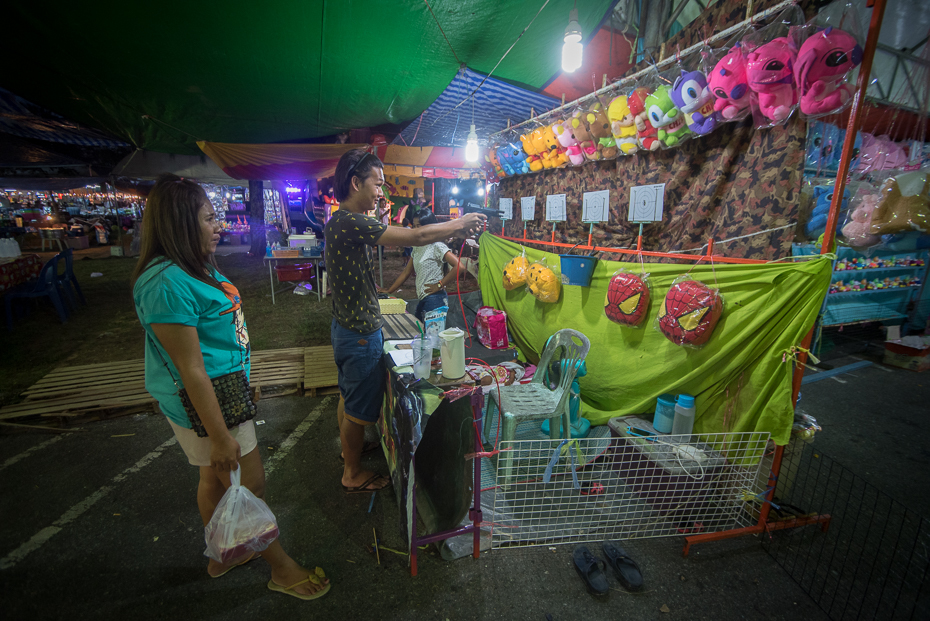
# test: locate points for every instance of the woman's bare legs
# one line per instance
(284, 570)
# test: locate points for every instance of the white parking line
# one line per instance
(28, 452)
(41, 537)
(296, 435)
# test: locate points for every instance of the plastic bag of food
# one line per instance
(627, 299)
(689, 312)
(242, 524)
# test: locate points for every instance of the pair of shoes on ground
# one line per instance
(591, 568)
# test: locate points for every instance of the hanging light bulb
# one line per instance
(572, 49)
(471, 146)
(480, 191)
(455, 189)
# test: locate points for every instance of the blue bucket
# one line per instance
(577, 270)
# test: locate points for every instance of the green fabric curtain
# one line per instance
(738, 378)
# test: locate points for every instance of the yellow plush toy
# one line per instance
(533, 155)
(515, 273)
(543, 283)
(622, 125)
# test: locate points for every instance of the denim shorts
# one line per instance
(431, 302)
(361, 372)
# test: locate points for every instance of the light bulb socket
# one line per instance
(574, 28)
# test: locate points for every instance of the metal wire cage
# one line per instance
(570, 491)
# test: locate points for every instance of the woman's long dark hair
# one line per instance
(171, 229)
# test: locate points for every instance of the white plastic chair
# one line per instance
(543, 397)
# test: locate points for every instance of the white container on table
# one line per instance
(452, 352)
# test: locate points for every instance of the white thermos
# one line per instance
(452, 353)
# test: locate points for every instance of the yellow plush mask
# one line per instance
(543, 283)
(515, 273)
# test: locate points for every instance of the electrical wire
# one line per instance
(435, 19)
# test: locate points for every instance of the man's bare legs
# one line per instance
(352, 437)
(284, 570)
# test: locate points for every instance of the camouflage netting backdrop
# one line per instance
(732, 182)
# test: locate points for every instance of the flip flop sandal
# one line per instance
(232, 567)
(591, 570)
(364, 487)
(369, 447)
(315, 578)
(625, 568)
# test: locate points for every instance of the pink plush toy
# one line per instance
(823, 60)
(880, 153)
(566, 137)
(728, 84)
(770, 73)
(858, 231)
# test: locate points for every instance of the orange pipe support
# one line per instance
(631, 251)
(865, 71)
(855, 117)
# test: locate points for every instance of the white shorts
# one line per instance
(197, 449)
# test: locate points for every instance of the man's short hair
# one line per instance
(355, 163)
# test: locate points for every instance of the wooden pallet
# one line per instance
(278, 367)
(320, 374)
(106, 388)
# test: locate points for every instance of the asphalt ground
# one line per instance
(103, 524)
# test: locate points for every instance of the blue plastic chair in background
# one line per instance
(67, 280)
(45, 285)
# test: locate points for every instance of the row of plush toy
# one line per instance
(768, 78)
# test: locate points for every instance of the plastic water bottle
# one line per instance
(665, 413)
(684, 416)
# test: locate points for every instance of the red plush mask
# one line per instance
(690, 312)
(627, 299)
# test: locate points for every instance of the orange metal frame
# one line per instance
(763, 525)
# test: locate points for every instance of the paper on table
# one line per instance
(402, 357)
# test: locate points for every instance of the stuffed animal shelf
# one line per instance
(647, 135)
(728, 84)
(770, 72)
(665, 117)
(693, 97)
(823, 62)
(622, 125)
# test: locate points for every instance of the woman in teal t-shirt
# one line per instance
(195, 331)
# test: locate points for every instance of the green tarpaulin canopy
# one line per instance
(739, 378)
(162, 75)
